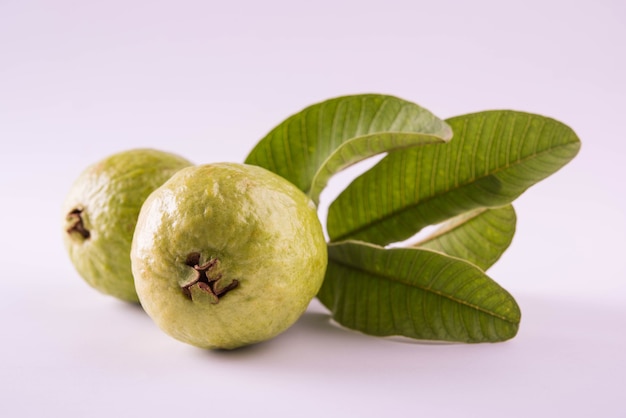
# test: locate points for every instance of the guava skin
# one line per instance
(100, 213)
(243, 231)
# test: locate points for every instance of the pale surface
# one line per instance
(81, 80)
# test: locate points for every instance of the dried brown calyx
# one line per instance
(75, 222)
(207, 278)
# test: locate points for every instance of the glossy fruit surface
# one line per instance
(227, 254)
(100, 213)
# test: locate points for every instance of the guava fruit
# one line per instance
(100, 213)
(226, 255)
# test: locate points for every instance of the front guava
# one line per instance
(100, 213)
(225, 255)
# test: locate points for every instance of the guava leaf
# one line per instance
(315, 143)
(359, 148)
(480, 236)
(493, 157)
(415, 293)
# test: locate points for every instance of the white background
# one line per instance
(80, 80)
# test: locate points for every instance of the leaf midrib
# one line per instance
(423, 289)
(409, 207)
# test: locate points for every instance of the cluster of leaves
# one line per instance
(461, 174)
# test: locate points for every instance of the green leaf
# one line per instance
(493, 157)
(415, 293)
(359, 148)
(480, 236)
(312, 145)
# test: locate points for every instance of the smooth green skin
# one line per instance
(111, 193)
(263, 230)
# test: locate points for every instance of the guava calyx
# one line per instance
(75, 221)
(206, 278)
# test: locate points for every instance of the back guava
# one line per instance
(100, 213)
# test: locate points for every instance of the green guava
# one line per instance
(226, 255)
(100, 214)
